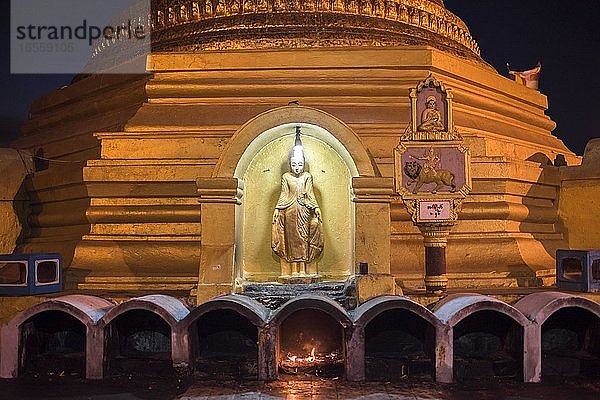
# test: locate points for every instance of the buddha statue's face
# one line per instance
(297, 163)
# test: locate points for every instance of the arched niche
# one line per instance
(52, 342)
(222, 199)
(260, 169)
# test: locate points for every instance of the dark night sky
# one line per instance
(563, 35)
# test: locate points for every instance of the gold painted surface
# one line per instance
(11, 306)
(580, 213)
(163, 147)
(195, 101)
(370, 286)
(206, 292)
(14, 204)
(372, 243)
(262, 183)
(216, 264)
(137, 256)
(306, 23)
(482, 280)
(579, 205)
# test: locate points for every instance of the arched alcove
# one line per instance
(488, 345)
(260, 168)
(311, 341)
(570, 343)
(228, 235)
(224, 345)
(54, 335)
(305, 323)
(138, 341)
(53, 342)
(399, 344)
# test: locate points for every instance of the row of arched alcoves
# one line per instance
(390, 337)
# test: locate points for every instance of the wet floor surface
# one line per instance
(294, 388)
(315, 388)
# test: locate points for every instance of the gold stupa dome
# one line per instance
(188, 25)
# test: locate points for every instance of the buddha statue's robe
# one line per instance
(297, 232)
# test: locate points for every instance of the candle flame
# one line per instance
(303, 360)
(311, 358)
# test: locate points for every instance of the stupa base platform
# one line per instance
(273, 295)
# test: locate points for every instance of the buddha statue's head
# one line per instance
(430, 102)
(297, 160)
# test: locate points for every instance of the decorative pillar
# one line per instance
(435, 239)
(218, 200)
(432, 174)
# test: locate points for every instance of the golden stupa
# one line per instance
(212, 121)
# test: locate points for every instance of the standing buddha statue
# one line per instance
(297, 233)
